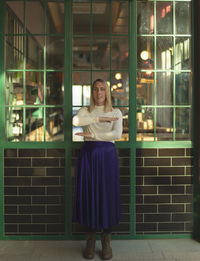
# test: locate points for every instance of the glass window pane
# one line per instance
(120, 53)
(81, 17)
(77, 95)
(34, 124)
(76, 129)
(145, 53)
(164, 53)
(54, 124)
(164, 124)
(120, 89)
(34, 87)
(55, 52)
(55, 17)
(164, 88)
(145, 17)
(15, 10)
(54, 88)
(14, 88)
(183, 123)
(34, 17)
(183, 53)
(125, 115)
(100, 53)
(164, 17)
(100, 17)
(145, 88)
(183, 88)
(81, 53)
(34, 52)
(145, 124)
(183, 17)
(120, 17)
(101, 75)
(14, 124)
(14, 52)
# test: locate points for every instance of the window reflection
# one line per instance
(145, 88)
(164, 53)
(145, 59)
(81, 53)
(54, 124)
(101, 53)
(164, 17)
(164, 124)
(54, 88)
(55, 52)
(14, 124)
(145, 124)
(14, 88)
(81, 17)
(35, 17)
(183, 17)
(183, 123)
(120, 17)
(34, 87)
(101, 17)
(145, 17)
(183, 88)
(120, 53)
(34, 124)
(183, 53)
(164, 88)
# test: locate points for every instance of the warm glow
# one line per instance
(119, 85)
(118, 76)
(144, 55)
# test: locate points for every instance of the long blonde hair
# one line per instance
(108, 103)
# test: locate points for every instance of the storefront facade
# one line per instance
(51, 51)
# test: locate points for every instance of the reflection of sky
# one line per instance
(76, 137)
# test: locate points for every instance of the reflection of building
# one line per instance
(53, 52)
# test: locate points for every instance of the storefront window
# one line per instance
(164, 89)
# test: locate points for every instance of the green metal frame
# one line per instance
(67, 144)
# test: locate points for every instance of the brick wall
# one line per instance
(34, 187)
(163, 191)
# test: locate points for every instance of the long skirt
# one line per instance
(97, 189)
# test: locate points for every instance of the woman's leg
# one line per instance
(89, 251)
(105, 241)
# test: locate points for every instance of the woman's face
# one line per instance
(99, 94)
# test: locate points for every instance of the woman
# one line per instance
(97, 191)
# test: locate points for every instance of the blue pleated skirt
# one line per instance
(97, 189)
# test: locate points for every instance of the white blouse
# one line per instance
(100, 131)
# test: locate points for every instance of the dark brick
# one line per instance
(62, 162)
(139, 180)
(31, 209)
(32, 228)
(189, 171)
(10, 191)
(146, 208)
(181, 161)
(123, 152)
(10, 153)
(17, 181)
(182, 180)
(8, 162)
(46, 218)
(171, 189)
(123, 162)
(146, 152)
(139, 199)
(157, 217)
(62, 181)
(146, 190)
(189, 189)
(48, 162)
(121, 228)
(32, 171)
(55, 171)
(171, 227)
(32, 153)
(55, 209)
(157, 161)
(125, 199)
(139, 162)
(182, 198)
(45, 181)
(189, 227)
(189, 207)
(56, 228)
(146, 171)
(125, 208)
(124, 190)
(10, 172)
(157, 180)
(57, 153)
(17, 219)
(146, 227)
(10, 209)
(157, 199)
(189, 152)
(171, 171)
(182, 217)
(17, 200)
(31, 191)
(11, 228)
(168, 208)
(171, 152)
(139, 218)
(124, 171)
(55, 191)
(46, 200)
(125, 218)
(124, 180)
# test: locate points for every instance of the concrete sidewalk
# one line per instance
(123, 250)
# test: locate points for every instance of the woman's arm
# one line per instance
(83, 118)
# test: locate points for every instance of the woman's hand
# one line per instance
(108, 119)
(84, 134)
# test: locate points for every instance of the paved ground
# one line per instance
(123, 250)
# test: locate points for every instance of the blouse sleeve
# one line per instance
(83, 118)
(116, 131)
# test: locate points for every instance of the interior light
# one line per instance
(118, 76)
(114, 87)
(119, 85)
(144, 55)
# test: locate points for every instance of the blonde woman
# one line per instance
(97, 190)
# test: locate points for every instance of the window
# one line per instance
(164, 87)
